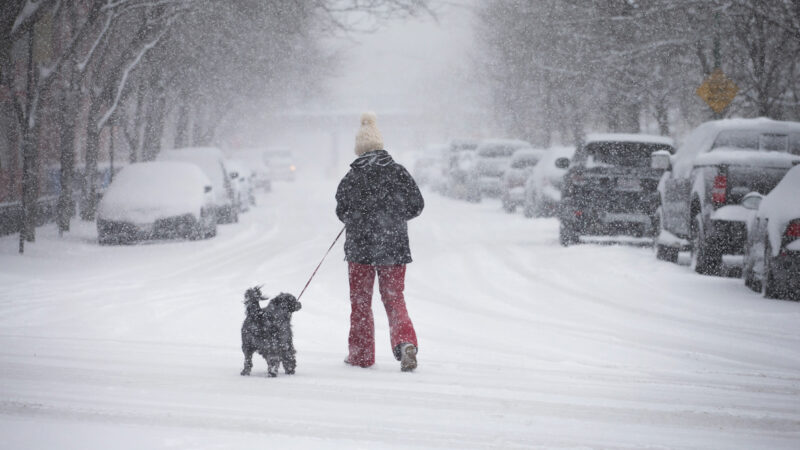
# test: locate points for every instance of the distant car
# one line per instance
(212, 162)
(428, 167)
(253, 159)
(493, 159)
(459, 162)
(610, 187)
(542, 191)
(772, 250)
(280, 164)
(522, 164)
(242, 183)
(157, 200)
(718, 164)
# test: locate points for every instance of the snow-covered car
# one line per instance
(610, 187)
(253, 159)
(719, 163)
(211, 161)
(157, 200)
(428, 167)
(493, 159)
(242, 183)
(772, 250)
(460, 160)
(542, 194)
(280, 164)
(522, 164)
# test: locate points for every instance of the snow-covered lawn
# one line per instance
(523, 343)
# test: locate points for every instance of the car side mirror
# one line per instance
(206, 189)
(562, 163)
(660, 160)
(752, 201)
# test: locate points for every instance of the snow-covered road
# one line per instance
(523, 343)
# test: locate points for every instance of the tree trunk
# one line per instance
(182, 127)
(662, 117)
(30, 185)
(154, 128)
(67, 108)
(630, 118)
(30, 172)
(89, 185)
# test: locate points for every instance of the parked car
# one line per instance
(242, 184)
(542, 190)
(460, 161)
(154, 200)
(428, 168)
(280, 164)
(212, 162)
(522, 164)
(772, 251)
(253, 159)
(717, 165)
(610, 187)
(493, 159)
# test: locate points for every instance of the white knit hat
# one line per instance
(369, 137)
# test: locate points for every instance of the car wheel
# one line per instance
(527, 210)
(770, 287)
(211, 231)
(567, 234)
(748, 274)
(663, 252)
(197, 232)
(705, 260)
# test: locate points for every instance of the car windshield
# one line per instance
(628, 154)
(758, 140)
(524, 162)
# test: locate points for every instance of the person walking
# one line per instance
(375, 200)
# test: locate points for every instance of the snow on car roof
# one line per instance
(463, 144)
(528, 153)
(757, 124)
(701, 139)
(156, 189)
(627, 137)
(209, 159)
(500, 147)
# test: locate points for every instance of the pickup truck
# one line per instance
(701, 190)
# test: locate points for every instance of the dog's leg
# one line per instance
(273, 363)
(288, 359)
(248, 360)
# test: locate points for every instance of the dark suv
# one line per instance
(610, 187)
(716, 166)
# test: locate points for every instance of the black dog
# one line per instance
(268, 331)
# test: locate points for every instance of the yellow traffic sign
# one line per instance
(718, 91)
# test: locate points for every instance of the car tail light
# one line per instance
(793, 230)
(577, 179)
(719, 190)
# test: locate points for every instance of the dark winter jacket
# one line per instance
(375, 200)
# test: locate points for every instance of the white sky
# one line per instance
(406, 64)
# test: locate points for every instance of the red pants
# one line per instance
(391, 282)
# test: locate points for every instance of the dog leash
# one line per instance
(320, 263)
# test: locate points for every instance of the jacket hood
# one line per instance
(373, 158)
